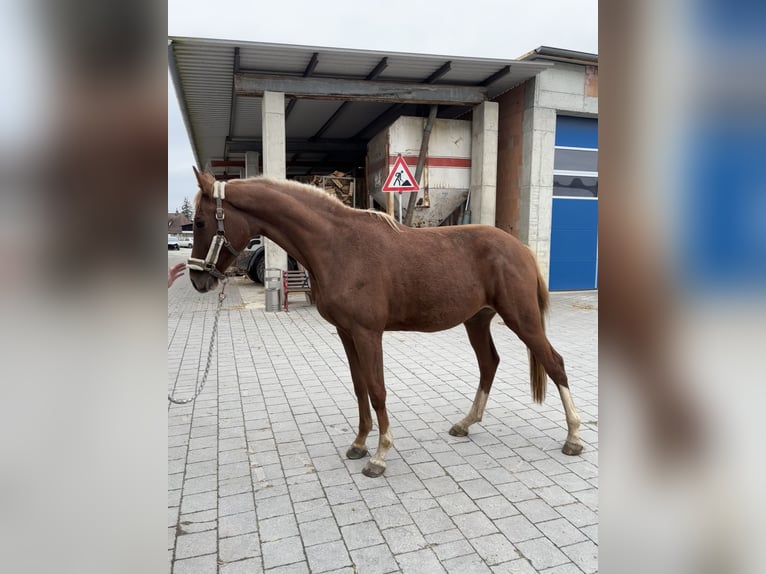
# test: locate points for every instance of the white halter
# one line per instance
(219, 240)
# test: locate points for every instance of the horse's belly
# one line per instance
(434, 313)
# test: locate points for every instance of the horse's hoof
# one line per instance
(373, 470)
(571, 449)
(457, 430)
(355, 453)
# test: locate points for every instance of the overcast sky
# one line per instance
(478, 28)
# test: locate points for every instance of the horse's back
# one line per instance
(443, 276)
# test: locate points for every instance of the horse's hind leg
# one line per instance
(542, 352)
(480, 337)
(543, 358)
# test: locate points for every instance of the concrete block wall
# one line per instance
(563, 89)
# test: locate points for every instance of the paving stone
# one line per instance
(199, 565)
(457, 503)
(318, 531)
(380, 496)
(568, 568)
(342, 494)
(391, 516)
(328, 556)
(447, 550)
(405, 483)
(276, 506)
(441, 485)
(433, 520)
(517, 528)
(584, 554)
(239, 547)
(281, 552)
(578, 514)
(470, 564)
(591, 532)
(248, 566)
(306, 491)
(497, 507)
(520, 566)
(537, 510)
(235, 524)
(403, 539)
(279, 527)
(374, 560)
(296, 568)
(200, 484)
(516, 491)
(189, 545)
(198, 502)
(419, 562)
(495, 549)
(561, 532)
(235, 504)
(478, 488)
(474, 524)
(361, 535)
(542, 553)
(418, 500)
(311, 510)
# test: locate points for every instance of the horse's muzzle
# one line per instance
(202, 281)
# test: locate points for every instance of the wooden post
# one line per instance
(421, 164)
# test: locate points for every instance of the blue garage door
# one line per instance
(574, 225)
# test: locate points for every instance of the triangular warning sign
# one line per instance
(400, 178)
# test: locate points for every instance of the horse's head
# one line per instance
(220, 232)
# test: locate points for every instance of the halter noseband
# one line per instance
(219, 240)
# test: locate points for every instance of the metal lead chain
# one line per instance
(201, 385)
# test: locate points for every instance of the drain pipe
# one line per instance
(466, 211)
(421, 164)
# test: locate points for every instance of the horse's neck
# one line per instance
(296, 221)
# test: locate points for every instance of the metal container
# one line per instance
(272, 299)
(272, 283)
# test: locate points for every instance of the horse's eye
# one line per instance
(199, 224)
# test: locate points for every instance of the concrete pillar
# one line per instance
(251, 163)
(484, 163)
(273, 115)
(536, 204)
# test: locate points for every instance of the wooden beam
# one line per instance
(358, 90)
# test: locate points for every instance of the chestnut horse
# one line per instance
(370, 274)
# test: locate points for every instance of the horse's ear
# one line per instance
(205, 180)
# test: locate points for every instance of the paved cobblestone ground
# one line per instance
(258, 481)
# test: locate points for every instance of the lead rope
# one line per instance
(200, 386)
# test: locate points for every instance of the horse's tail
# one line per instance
(538, 378)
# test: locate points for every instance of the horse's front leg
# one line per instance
(358, 448)
(369, 350)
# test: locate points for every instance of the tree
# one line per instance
(186, 209)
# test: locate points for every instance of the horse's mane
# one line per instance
(387, 218)
(290, 185)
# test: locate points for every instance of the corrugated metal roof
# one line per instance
(222, 125)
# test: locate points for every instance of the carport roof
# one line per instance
(212, 78)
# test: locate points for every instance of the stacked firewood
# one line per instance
(336, 183)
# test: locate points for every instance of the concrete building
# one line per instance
(526, 157)
(547, 180)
